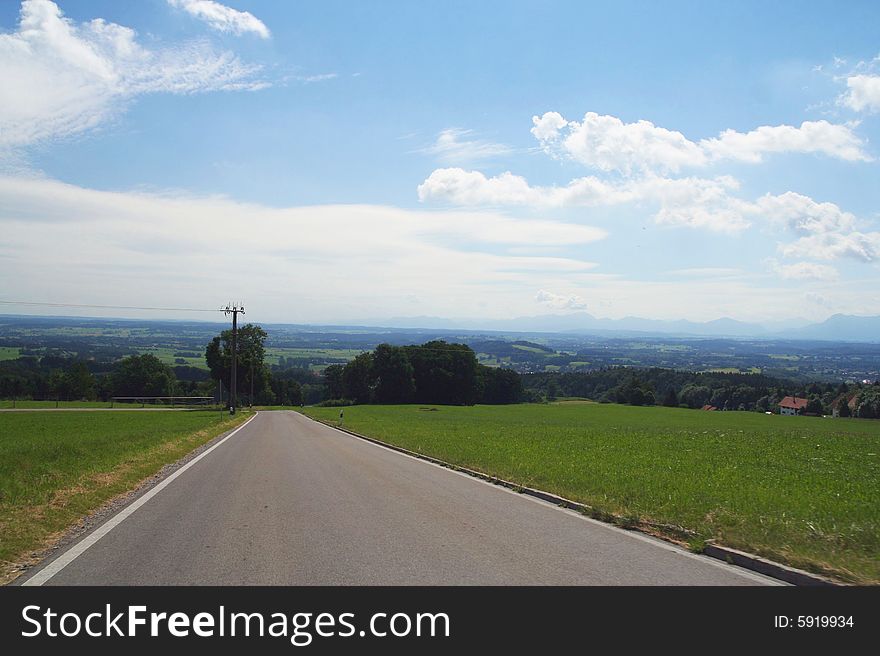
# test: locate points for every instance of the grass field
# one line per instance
(56, 467)
(169, 356)
(9, 352)
(801, 490)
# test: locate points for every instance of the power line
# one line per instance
(109, 307)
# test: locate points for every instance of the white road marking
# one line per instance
(80, 547)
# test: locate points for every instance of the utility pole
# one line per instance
(234, 310)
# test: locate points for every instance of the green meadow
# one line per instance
(801, 490)
(56, 467)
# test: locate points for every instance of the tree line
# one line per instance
(435, 372)
(723, 391)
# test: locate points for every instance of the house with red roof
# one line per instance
(792, 405)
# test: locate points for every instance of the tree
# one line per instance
(444, 373)
(286, 391)
(333, 381)
(814, 406)
(142, 375)
(552, 390)
(500, 385)
(695, 396)
(251, 368)
(59, 385)
(357, 379)
(80, 382)
(843, 408)
(868, 403)
(670, 399)
(393, 374)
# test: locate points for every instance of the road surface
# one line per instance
(288, 501)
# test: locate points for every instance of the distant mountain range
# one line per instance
(839, 327)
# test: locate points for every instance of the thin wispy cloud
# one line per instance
(320, 77)
(222, 18)
(349, 255)
(457, 145)
(804, 271)
(60, 78)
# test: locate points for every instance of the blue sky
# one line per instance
(359, 161)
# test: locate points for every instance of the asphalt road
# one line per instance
(287, 501)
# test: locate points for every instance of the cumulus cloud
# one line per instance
(59, 78)
(804, 271)
(861, 246)
(608, 144)
(804, 215)
(560, 302)
(458, 145)
(223, 18)
(811, 137)
(863, 93)
(460, 187)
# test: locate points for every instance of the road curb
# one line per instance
(742, 559)
(767, 567)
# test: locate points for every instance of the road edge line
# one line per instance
(728, 555)
(62, 561)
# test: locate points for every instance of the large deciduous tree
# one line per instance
(444, 373)
(393, 374)
(251, 352)
(142, 375)
(358, 380)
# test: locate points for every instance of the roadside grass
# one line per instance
(799, 490)
(56, 467)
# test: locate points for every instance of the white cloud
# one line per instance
(707, 272)
(223, 18)
(338, 261)
(454, 145)
(320, 77)
(811, 137)
(864, 247)
(804, 215)
(804, 271)
(608, 144)
(326, 264)
(560, 302)
(863, 93)
(694, 202)
(59, 78)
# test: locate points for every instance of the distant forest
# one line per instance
(91, 362)
(721, 391)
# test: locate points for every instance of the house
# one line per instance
(792, 405)
(851, 400)
(708, 407)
